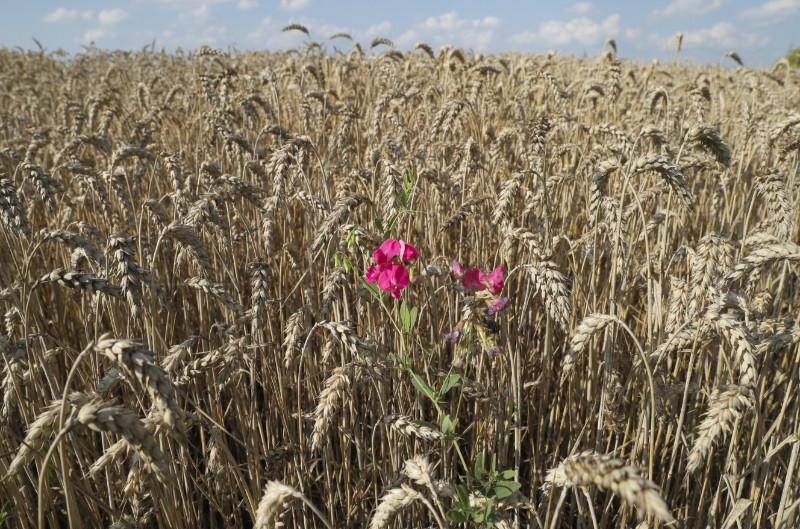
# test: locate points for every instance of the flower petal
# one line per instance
(496, 305)
(473, 279)
(407, 252)
(458, 270)
(372, 275)
(400, 276)
(387, 251)
(496, 280)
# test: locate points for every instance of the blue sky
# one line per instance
(761, 31)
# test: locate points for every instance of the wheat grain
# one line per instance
(139, 362)
(107, 417)
(724, 408)
(331, 398)
(407, 427)
(606, 472)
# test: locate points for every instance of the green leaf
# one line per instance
(507, 474)
(407, 318)
(404, 198)
(457, 516)
(448, 426)
(463, 496)
(480, 466)
(392, 224)
(504, 489)
(379, 227)
(451, 380)
(409, 178)
(423, 386)
(374, 289)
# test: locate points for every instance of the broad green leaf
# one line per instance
(404, 197)
(480, 466)
(422, 386)
(413, 317)
(407, 318)
(504, 489)
(463, 496)
(448, 426)
(507, 474)
(374, 289)
(451, 380)
(457, 516)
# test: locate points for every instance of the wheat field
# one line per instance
(189, 341)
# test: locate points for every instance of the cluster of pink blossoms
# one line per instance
(390, 272)
(476, 280)
(477, 327)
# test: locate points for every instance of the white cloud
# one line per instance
(187, 37)
(95, 35)
(112, 16)
(582, 30)
(211, 36)
(721, 36)
(106, 18)
(244, 5)
(63, 14)
(688, 7)
(294, 5)
(631, 33)
(199, 15)
(774, 10)
(376, 30)
(581, 8)
(449, 28)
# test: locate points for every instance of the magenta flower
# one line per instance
(496, 305)
(392, 248)
(458, 270)
(495, 281)
(390, 274)
(477, 280)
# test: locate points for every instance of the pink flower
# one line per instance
(495, 281)
(392, 248)
(477, 280)
(394, 279)
(390, 274)
(496, 305)
(472, 279)
(373, 274)
(458, 270)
